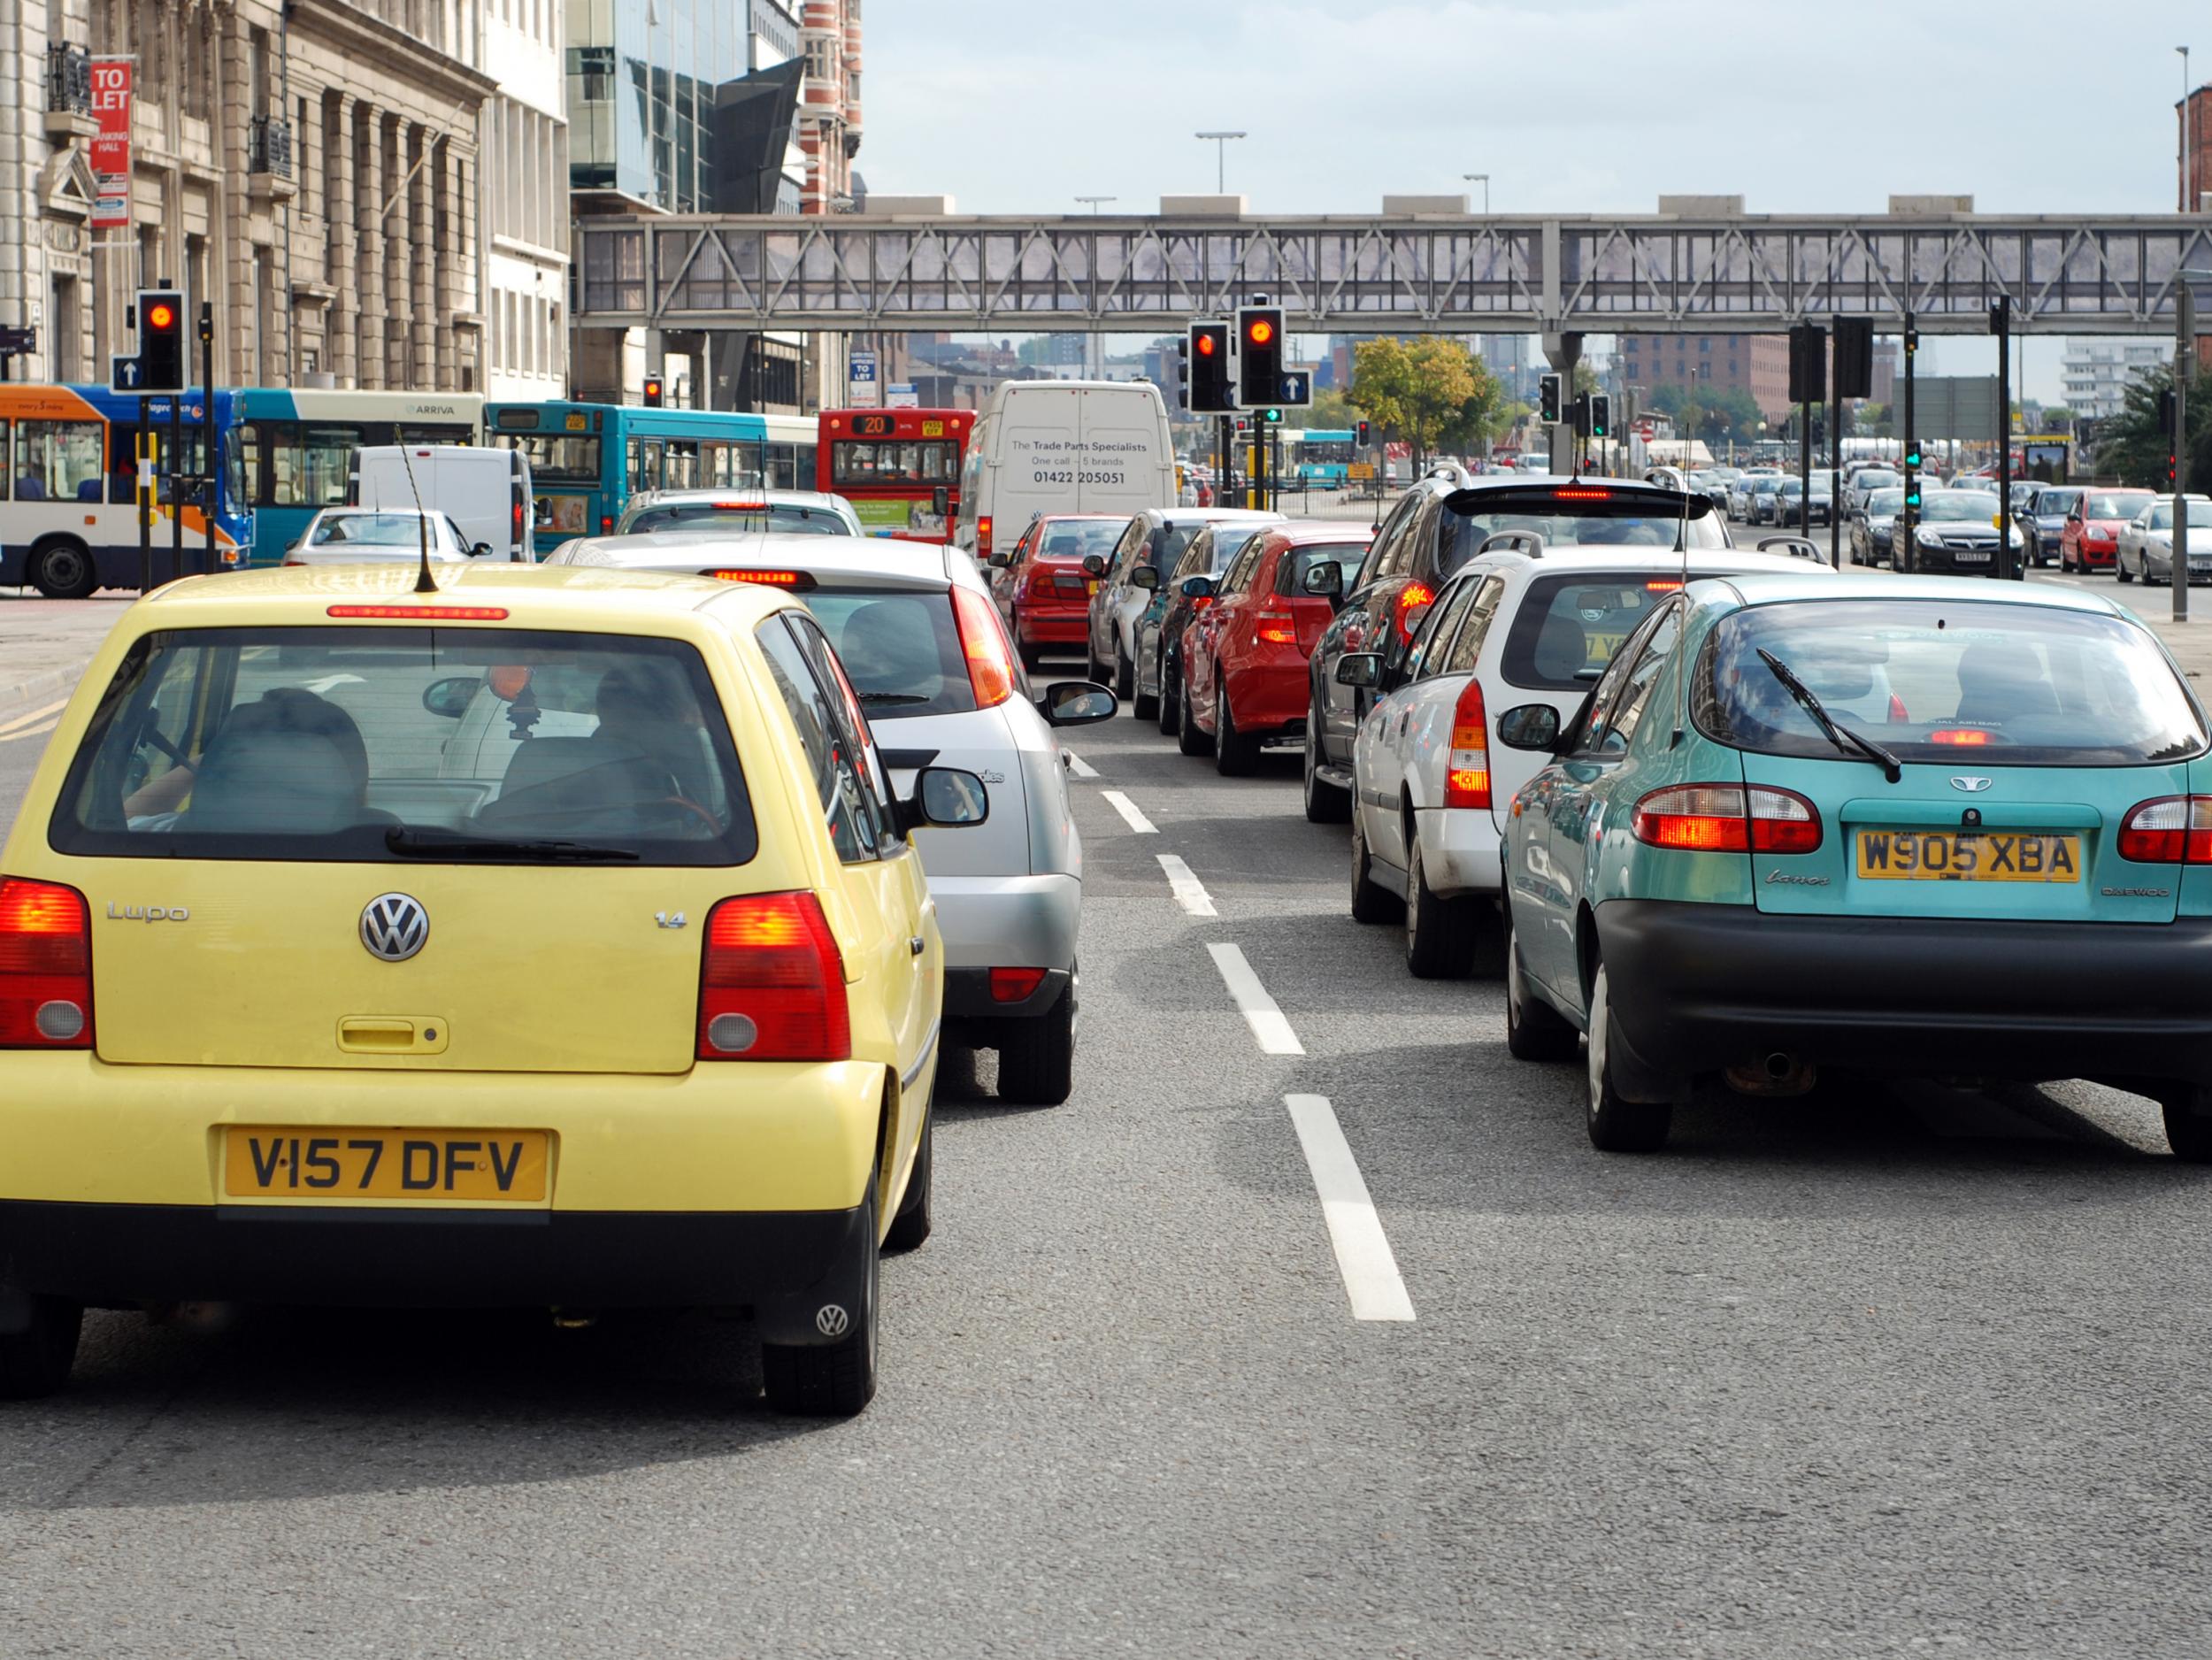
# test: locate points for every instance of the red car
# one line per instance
(1245, 648)
(1040, 586)
(2091, 539)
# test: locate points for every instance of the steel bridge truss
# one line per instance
(1388, 275)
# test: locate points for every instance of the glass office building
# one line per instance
(644, 81)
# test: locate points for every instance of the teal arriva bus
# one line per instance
(295, 448)
(588, 459)
(1318, 458)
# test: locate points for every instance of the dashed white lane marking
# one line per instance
(29, 732)
(1078, 766)
(1363, 1251)
(26, 718)
(1259, 1009)
(1190, 893)
(1127, 809)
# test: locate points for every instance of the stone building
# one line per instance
(525, 148)
(311, 166)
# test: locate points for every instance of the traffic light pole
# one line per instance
(142, 491)
(1904, 537)
(1835, 475)
(211, 466)
(1804, 468)
(176, 485)
(2185, 368)
(2000, 325)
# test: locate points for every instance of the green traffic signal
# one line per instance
(1273, 417)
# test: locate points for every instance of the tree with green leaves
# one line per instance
(2132, 445)
(1421, 395)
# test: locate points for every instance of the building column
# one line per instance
(445, 269)
(339, 214)
(422, 331)
(367, 132)
(397, 307)
(233, 257)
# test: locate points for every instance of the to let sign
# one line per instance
(110, 152)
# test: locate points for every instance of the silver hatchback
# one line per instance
(938, 680)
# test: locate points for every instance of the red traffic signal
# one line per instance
(1260, 356)
(161, 315)
(653, 391)
(1209, 392)
(1205, 342)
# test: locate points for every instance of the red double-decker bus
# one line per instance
(900, 468)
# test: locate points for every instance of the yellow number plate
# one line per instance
(1987, 856)
(268, 1160)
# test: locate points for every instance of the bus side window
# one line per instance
(7, 479)
(122, 463)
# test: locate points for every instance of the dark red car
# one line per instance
(2090, 539)
(1040, 586)
(1244, 650)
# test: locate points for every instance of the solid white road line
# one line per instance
(1127, 809)
(1260, 1012)
(1362, 1252)
(29, 732)
(24, 720)
(1190, 893)
(1078, 766)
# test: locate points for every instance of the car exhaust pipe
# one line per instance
(1774, 1075)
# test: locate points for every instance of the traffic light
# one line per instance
(1273, 416)
(1362, 435)
(2166, 410)
(161, 354)
(1580, 414)
(1912, 452)
(1601, 414)
(2173, 475)
(1207, 345)
(1259, 355)
(1548, 398)
(1912, 491)
(656, 392)
(1912, 337)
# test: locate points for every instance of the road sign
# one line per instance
(902, 394)
(863, 389)
(16, 341)
(125, 373)
(1954, 406)
(1297, 388)
(1360, 470)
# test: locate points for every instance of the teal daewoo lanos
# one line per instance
(1925, 825)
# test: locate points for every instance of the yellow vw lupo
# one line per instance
(551, 938)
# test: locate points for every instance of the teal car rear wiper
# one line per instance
(437, 844)
(1849, 742)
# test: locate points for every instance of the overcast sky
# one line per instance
(1015, 107)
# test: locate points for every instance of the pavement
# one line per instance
(1880, 1372)
(45, 644)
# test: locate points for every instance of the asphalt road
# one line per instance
(1877, 1371)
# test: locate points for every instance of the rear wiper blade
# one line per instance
(1849, 742)
(891, 697)
(436, 843)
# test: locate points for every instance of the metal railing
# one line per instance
(269, 146)
(68, 80)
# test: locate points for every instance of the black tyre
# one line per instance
(2120, 570)
(1370, 903)
(1235, 755)
(1125, 678)
(1169, 711)
(1325, 803)
(911, 1226)
(830, 1380)
(1032, 658)
(35, 1361)
(1617, 1125)
(1036, 1057)
(1534, 1031)
(2189, 1124)
(1188, 738)
(1440, 931)
(64, 570)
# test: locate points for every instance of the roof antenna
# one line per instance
(424, 583)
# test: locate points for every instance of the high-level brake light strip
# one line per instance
(1127, 809)
(1078, 766)
(1258, 1009)
(1363, 1256)
(1190, 893)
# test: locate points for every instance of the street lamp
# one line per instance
(1221, 159)
(1098, 357)
(1482, 178)
(2188, 172)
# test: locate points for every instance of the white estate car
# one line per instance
(383, 535)
(1430, 789)
(735, 510)
(936, 677)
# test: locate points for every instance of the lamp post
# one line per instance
(1482, 178)
(1097, 355)
(1221, 159)
(2188, 172)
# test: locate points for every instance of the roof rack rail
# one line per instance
(1527, 541)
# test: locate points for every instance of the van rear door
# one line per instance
(1124, 463)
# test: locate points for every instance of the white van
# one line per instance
(484, 491)
(1062, 447)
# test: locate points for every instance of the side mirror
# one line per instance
(1198, 588)
(1077, 703)
(1324, 579)
(1359, 668)
(481, 550)
(1530, 726)
(450, 697)
(1093, 564)
(1000, 561)
(947, 798)
(941, 501)
(1145, 576)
